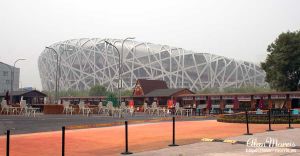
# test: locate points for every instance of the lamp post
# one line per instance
(120, 65)
(128, 38)
(12, 78)
(119, 77)
(56, 76)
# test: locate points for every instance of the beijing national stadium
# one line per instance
(86, 62)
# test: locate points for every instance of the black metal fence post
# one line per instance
(7, 142)
(290, 127)
(173, 138)
(63, 141)
(269, 117)
(247, 122)
(126, 140)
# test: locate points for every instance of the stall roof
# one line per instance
(241, 94)
(30, 93)
(151, 85)
(166, 92)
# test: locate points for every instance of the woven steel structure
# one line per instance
(86, 62)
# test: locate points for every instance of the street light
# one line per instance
(120, 65)
(12, 78)
(119, 77)
(56, 77)
(128, 38)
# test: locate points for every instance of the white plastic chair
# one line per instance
(67, 107)
(27, 110)
(101, 108)
(83, 108)
(178, 109)
(5, 107)
(154, 108)
(146, 108)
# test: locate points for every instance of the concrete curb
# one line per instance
(118, 123)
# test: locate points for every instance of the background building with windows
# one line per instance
(86, 62)
(5, 77)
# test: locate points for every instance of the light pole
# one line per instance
(120, 65)
(56, 76)
(12, 79)
(128, 38)
(119, 77)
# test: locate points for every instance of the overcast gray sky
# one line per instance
(239, 29)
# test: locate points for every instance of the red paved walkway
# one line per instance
(110, 140)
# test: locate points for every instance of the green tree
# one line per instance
(127, 93)
(282, 65)
(97, 90)
(113, 98)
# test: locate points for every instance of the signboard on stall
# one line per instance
(215, 97)
(200, 98)
(228, 97)
(265, 97)
(294, 96)
(278, 96)
(244, 98)
(187, 98)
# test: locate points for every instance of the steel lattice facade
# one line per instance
(87, 62)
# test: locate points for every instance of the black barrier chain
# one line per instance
(173, 137)
(63, 141)
(126, 140)
(7, 142)
(247, 122)
(269, 117)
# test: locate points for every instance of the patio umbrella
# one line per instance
(208, 103)
(236, 103)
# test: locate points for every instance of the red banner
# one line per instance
(170, 103)
(131, 103)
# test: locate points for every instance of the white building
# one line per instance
(5, 77)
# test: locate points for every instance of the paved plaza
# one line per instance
(143, 138)
(20, 124)
(228, 149)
